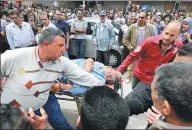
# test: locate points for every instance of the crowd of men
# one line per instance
(33, 40)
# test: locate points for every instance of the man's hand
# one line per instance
(95, 43)
(3, 34)
(187, 35)
(55, 88)
(2, 82)
(152, 115)
(110, 47)
(40, 122)
(67, 46)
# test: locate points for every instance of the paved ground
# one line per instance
(69, 109)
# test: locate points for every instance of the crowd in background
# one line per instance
(140, 37)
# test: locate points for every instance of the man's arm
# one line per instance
(112, 35)
(128, 39)
(94, 33)
(72, 28)
(133, 55)
(120, 37)
(155, 31)
(9, 38)
(83, 30)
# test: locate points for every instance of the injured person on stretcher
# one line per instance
(106, 74)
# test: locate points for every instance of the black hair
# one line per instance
(144, 12)
(12, 118)
(185, 50)
(174, 84)
(167, 15)
(103, 109)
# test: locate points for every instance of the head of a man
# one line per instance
(142, 18)
(158, 19)
(120, 13)
(111, 74)
(103, 109)
(170, 33)
(96, 11)
(80, 14)
(12, 118)
(171, 92)
(15, 17)
(181, 17)
(131, 19)
(184, 54)
(102, 15)
(57, 15)
(44, 16)
(51, 42)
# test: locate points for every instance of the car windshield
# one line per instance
(116, 25)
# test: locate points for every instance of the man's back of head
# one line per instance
(103, 109)
(171, 92)
(184, 53)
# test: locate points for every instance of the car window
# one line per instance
(90, 28)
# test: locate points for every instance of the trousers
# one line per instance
(55, 116)
(139, 99)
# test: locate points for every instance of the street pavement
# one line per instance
(69, 110)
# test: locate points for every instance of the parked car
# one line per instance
(90, 48)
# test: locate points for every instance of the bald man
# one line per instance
(153, 52)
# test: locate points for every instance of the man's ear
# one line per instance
(44, 44)
(108, 77)
(166, 108)
(78, 123)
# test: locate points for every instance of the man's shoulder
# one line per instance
(10, 25)
(18, 53)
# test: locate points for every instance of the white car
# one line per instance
(90, 48)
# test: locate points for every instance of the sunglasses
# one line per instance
(141, 17)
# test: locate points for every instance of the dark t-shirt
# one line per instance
(62, 25)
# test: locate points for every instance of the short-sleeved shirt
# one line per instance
(79, 25)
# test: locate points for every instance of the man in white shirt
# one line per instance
(19, 34)
(30, 73)
(44, 17)
(120, 19)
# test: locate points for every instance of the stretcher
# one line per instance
(77, 98)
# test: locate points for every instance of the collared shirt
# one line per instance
(17, 37)
(28, 81)
(120, 21)
(79, 25)
(49, 25)
(140, 35)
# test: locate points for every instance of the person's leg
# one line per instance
(55, 116)
(139, 100)
(99, 56)
(77, 44)
(106, 57)
(82, 48)
(135, 81)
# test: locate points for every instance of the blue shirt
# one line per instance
(62, 25)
